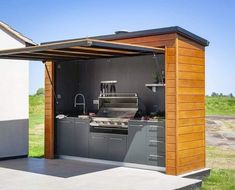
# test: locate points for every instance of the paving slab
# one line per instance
(42, 174)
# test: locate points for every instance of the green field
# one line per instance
(220, 106)
(223, 179)
(36, 129)
(220, 179)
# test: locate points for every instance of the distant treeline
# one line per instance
(215, 94)
(39, 91)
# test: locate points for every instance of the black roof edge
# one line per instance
(158, 31)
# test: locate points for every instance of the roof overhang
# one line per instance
(151, 32)
(78, 49)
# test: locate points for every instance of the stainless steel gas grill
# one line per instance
(115, 110)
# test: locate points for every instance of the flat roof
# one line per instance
(151, 32)
(78, 49)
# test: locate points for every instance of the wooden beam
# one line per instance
(78, 53)
(49, 112)
(59, 55)
(111, 51)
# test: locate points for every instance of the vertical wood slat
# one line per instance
(49, 112)
(177, 102)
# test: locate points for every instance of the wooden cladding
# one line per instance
(190, 106)
(49, 111)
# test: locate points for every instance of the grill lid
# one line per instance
(117, 112)
(120, 105)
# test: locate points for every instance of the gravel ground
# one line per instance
(220, 131)
(220, 140)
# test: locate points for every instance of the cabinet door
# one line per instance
(136, 149)
(98, 146)
(117, 146)
(65, 137)
(81, 138)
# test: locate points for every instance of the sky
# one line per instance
(214, 20)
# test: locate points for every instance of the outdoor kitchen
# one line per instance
(134, 99)
(112, 109)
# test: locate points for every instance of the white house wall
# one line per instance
(13, 101)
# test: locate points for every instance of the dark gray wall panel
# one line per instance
(13, 138)
(132, 73)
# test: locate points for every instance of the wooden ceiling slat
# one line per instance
(107, 51)
(25, 56)
(79, 49)
(46, 57)
(58, 55)
(69, 52)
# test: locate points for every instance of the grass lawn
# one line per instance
(36, 129)
(220, 179)
(222, 162)
(220, 106)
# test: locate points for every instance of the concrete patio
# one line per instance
(32, 174)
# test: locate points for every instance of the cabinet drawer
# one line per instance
(156, 160)
(156, 146)
(155, 131)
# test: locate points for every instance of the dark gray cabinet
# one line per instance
(146, 143)
(98, 146)
(65, 136)
(72, 137)
(155, 143)
(117, 146)
(107, 146)
(81, 136)
(136, 146)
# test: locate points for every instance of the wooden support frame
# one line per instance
(49, 111)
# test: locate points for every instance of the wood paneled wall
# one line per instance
(190, 106)
(49, 112)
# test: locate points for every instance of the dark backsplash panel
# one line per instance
(132, 73)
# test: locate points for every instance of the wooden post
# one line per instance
(49, 111)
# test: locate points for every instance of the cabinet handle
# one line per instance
(153, 128)
(154, 142)
(116, 139)
(154, 157)
(136, 125)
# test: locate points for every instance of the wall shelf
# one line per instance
(153, 87)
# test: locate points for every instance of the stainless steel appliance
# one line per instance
(115, 110)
